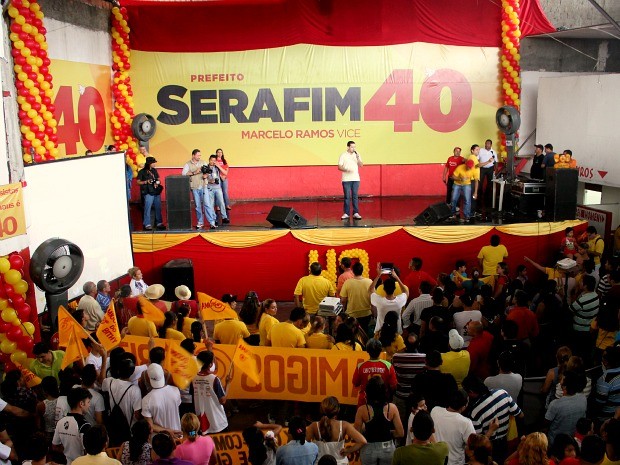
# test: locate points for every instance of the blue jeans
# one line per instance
(377, 453)
(150, 201)
(456, 193)
(224, 184)
(350, 189)
(213, 197)
(198, 200)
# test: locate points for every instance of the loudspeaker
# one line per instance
(178, 202)
(433, 214)
(175, 273)
(527, 205)
(285, 217)
(561, 194)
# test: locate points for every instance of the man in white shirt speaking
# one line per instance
(349, 163)
(487, 158)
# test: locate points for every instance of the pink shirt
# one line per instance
(342, 278)
(198, 452)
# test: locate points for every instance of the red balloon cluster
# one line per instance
(16, 331)
(33, 81)
(123, 113)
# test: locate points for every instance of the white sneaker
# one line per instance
(344, 217)
(357, 216)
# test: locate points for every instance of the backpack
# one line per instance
(117, 426)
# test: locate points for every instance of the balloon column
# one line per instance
(16, 332)
(33, 81)
(121, 90)
(511, 70)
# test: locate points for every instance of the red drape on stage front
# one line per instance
(272, 269)
(231, 25)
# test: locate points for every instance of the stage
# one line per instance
(248, 254)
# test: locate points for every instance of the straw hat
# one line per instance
(154, 291)
(182, 292)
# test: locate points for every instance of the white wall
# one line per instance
(74, 43)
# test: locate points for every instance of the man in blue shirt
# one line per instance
(548, 161)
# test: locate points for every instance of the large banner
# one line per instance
(12, 217)
(83, 102)
(299, 105)
(286, 374)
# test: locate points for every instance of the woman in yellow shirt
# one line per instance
(345, 339)
(316, 338)
(249, 314)
(391, 341)
(167, 330)
(184, 323)
(266, 319)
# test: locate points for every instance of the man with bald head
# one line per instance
(92, 309)
(479, 348)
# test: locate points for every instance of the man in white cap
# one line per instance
(456, 362)
(184, 295)
(154, 293)
(160, 407)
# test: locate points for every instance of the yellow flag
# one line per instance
(108, 332)
(213, 309)
(181, 364)
(245, 360)
(151, 312)
(66, 324)
(29, 377)
(75, 350)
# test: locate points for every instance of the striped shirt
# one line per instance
(497, 404)
(608, 393)
(584, 309)
(603, 285)
(407, 366)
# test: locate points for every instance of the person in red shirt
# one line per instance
(525, 318)
(453, 161)
(479, 349)
(416, 276)
(373, 367)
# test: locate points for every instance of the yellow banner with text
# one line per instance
(12, 219)
(299, 105)
(285, 374)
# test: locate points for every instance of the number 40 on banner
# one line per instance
(403, 112)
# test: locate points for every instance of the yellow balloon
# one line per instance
(29, 327)
(34, 141)
(40, 150)
(20, 20)
(12, 277)
(54, 152)
(140, 159)
(19, 44)
(5, 265)
(39, 14)
(19, 357)
(3, 337)
(509, 92)
(4, 303)
(27, 158)
(52, 123)
(16, 322)
(21, 287)
(9, 315)
(44, 84)
(33, 91)
(8, 347)
(43, 46)
(27, 28)
(49, 145)
(13, 12)
(25, 106)
(37, 120)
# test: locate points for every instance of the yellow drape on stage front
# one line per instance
(447, 234)
(342, 236)
(149, 242)
(537, 229)
(242, 239)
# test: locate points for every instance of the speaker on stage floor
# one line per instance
(561, 194)
(433, 214)
(175, 273)
(178, 202)
(285, 217)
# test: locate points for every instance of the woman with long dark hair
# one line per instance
(391, 341)
(249, 314)
(167, 330)
(151, 189)
(224, 169)
(345, 339)
(262, 447)
(266, 319)
(137, 451)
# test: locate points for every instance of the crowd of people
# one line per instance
(443, 383)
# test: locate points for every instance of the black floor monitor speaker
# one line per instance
(433, 214)
(178, 202)
(285, 217)
(175, 273)
(561, 194)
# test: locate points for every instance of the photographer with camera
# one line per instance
(197, 183)
(213, 193)
(151, 189)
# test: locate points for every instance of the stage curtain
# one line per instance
(342, 236)
(538, 229)
(447, 234)
(143, 243)
(242, 239)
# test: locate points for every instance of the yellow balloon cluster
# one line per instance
(330, 272)
(361, 255)
(123, 113)
(510, 59)
(33, 81)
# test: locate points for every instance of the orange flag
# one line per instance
(245, 360)
(66, 324)
(108, 332)
(181, 364)
(151, 312)
(213, 309)
(29, 377)
(75, 350)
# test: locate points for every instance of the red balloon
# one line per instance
(37, 23)
(25, 343)
(46, 61)
(37, 158)
(27, 68)
(51, 107)
(42, 30)
(4, 327)
(15, 333)
(18, 300)
(9, 366)
(16, 28)
(9, 289)
(31, 99)
(26, 143)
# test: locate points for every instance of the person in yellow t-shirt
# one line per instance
(266, 319)
(140, 326)
(457, 361)
(354, 296)
(288, 333)
(463, 178)
(312, 289)
(345, 339)
(316, 338)
(490, 255)
(474, 152)
(596, 246)
(230, 331)
(167, 330)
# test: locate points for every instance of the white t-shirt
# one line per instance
(162, 406)
(454, 429)
(62, 408)
(460, 323)
(95, 360)
(384, 306)
(69, 433)
(132, 402)
(137, 373)
(207, 393)
(485, 155)
(349, 168)
(97, 404)
(137, 287)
